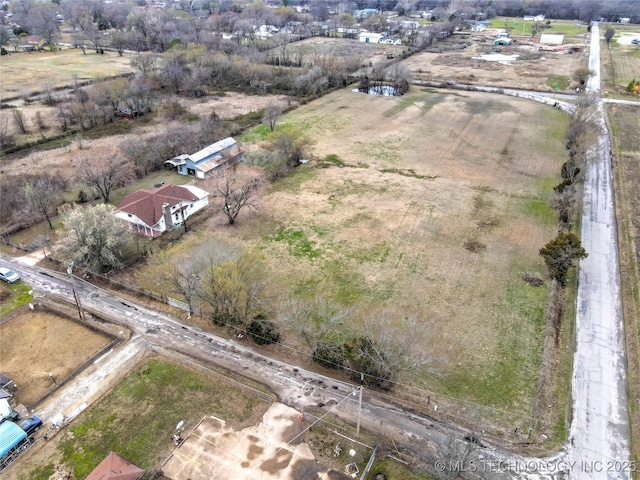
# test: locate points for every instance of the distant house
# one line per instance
(370, 37)
(365, 13)
(209, 159)
(478, 27)
(152, 212)
(551, 39)
(502, 42)
(114, 467)
(391, 41)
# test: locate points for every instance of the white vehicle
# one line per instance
(9, 276)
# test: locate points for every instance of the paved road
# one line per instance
(424, 438)
(600, 433)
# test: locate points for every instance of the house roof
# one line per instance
(114, 467)
(147, 204)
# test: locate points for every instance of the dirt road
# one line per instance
(600, 434)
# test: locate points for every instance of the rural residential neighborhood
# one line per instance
(319, 240)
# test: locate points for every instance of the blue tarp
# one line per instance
(10, 436)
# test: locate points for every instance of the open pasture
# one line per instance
(26, 73)
(427, 178)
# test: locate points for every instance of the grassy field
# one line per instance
(423, 175)
(137, 418)
(13, 296)
(26, 73)
(620, 63)
(574, 32)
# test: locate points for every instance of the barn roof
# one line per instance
(114, 467)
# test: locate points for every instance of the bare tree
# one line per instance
(315, 320)
(44, 195)
(238, 192)
(145, 63)
(181, 278)
(608, 35)
(233, 287)
(291, 143)
(6, 139)
(272, 114)
(105, 174)
(19, 120)
(94, 238)
(387, 348)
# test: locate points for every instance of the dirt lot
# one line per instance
(531, 69)
(34, 344)
(266, 450)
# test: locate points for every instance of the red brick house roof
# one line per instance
(147, 204)
(114, 467)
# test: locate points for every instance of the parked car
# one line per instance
(30, 425)
(9, 276)
(635, 41)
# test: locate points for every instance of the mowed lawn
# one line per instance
(25, 73)
(424, 175)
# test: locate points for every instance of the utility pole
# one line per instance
(360, 403)
(73, 289)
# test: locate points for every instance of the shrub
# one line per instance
(329, 355)
(263, 331)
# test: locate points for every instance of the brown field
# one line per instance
(531, 70)
(66, 160)
(34, 344)
(318, 47)
(25, 73)
(424, 174)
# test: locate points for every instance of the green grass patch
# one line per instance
(137, 418)
(345, 285)
(256, 134)
(18, 296)
(40, 473)
(395, 470)
(293, 182)
(299, 244)
(514, 373)
(558, 82)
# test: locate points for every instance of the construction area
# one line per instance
(273, 449)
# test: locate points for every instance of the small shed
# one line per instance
(114, 467)
(503, 42)
(370, 37)
(551, 39)
(6, 383)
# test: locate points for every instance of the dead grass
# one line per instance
(481, 166)
(626, 63)
(26, 73)
(530, 72)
